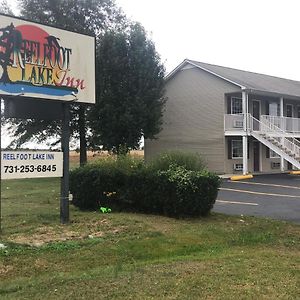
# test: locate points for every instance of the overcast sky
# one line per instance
(255, 35)
(258, 35)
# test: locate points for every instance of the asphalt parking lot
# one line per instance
(273, 196)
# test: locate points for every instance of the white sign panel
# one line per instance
(46, 62)
(31, 164)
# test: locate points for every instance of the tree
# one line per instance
(130, 82)
(83, 16)
(4, 8)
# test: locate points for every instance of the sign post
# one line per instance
(64, 190)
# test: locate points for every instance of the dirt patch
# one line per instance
(44, 235)
(47, 234)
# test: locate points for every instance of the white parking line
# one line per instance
(268, 184)
(236, 202)
(258, 193)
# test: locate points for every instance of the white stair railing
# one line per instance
(289, 144)
(277, 130)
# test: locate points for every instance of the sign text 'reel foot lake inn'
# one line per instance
(31, 164)
(45, 62)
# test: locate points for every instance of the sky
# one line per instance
(262, 36)
(254, 35)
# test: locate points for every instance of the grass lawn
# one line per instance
(135, 256)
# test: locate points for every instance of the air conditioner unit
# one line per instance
(238, 167)
(275, 165)
(238, 123)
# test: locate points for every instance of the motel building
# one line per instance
(239, 122)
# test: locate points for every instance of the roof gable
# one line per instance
(245, 79)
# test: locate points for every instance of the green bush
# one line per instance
(102, 183)
(190, 161)
(128, 184)
(194, 192)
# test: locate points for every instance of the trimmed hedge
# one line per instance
(174, 192)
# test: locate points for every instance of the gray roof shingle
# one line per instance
(254, 81)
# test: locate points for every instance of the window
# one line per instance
(273, 154)
(274, 109)
(236, 149)
(298, 111)
(289, 110)
(236, 105)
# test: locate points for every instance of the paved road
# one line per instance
(274, 196)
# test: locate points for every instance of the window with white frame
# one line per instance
(236, 105)
(236, 149)
(273, 154)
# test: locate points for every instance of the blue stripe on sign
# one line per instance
(18, 88)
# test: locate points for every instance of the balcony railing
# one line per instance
(235, 122)
(291, 125)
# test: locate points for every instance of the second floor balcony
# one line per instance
(237, 124)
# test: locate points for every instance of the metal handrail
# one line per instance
(292, 145)
(278, 129)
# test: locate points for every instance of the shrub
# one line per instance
(102, 182)
(94, 186)
(127, 184)
(190, 161)
(189, 193)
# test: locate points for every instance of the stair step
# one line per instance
(281, 148)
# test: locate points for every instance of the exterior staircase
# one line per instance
(276, 139)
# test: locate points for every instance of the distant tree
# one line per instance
(130, 81)
(82, 16)
(5, 8)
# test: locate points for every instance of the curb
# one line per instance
(295, 172)
(241, 177)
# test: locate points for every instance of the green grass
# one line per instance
(135, 256)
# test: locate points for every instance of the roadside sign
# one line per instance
(39, 64)
(31, 164)
(45, 62)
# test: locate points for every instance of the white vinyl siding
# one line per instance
(193, 119)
